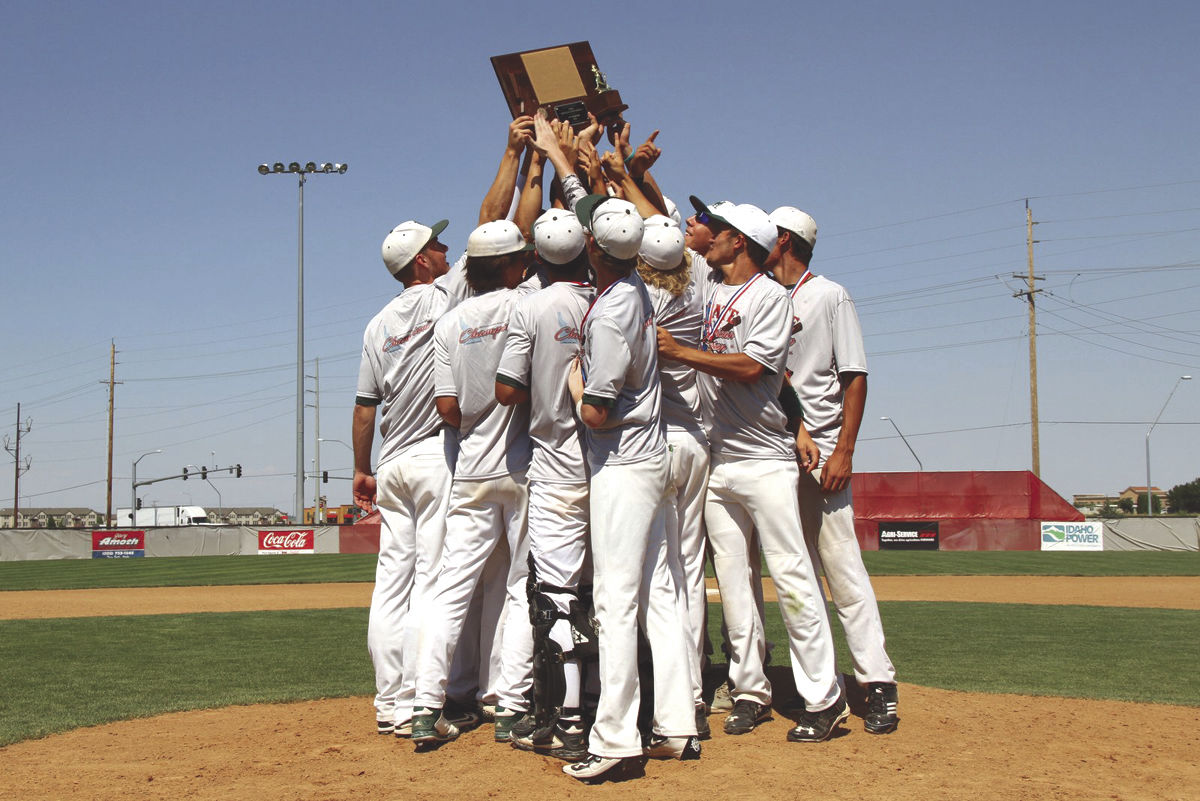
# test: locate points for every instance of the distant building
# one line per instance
(1134, 493)
(35, 517)
(247, 516)
(335, 515)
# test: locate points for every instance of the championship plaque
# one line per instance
(563, 80)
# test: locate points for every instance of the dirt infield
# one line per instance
(950, 745)
(1171, 592)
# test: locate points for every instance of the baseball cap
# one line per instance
(672, 210)
(615, 224)
(662, 243)
(496, 238)
(558, 236)
(748, 219)
(798, 222)
(406, 240)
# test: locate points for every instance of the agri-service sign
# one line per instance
(294, 541)
(1072, 536)
(118, 544)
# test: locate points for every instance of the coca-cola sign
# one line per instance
(118, 544)
(290, 541)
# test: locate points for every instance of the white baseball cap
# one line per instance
(748, 219)
(672, 210)
(798, 222)
(558, 236)
(615, 224)
(496, 238)
(662, 243)
(405, 241)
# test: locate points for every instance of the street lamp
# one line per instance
(1149, 499)
(920, 467)
(303, 172)
(133, 487)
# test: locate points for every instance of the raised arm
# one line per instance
(498, 200)
(530, 204)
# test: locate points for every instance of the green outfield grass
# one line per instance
(191, 571)
(62, 674)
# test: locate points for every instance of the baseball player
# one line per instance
(753, 479)
(618, 394)
(676, 299)
(827, 366)
(412, 477)
(543, 341)
(487, 500)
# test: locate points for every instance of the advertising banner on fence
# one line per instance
(1072, 536)
(908, 535)
(118, 544)
(294, 541)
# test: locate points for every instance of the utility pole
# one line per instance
(1029, 292)
(316, 377)
(18, 469)
(112, 382)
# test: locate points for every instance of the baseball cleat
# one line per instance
(431, 726)
(746, 716)
(703, 731)
(592, 768)
(384, 726)
(559, 741)
(682, 748)
(504, 720)
(464, 716)
(722, 701)
(815, 727)
(404, 728)
(882, 701)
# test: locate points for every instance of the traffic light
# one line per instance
(204, 472)
(324, 476)
(185, 474)
(239, 471)
(139, 503)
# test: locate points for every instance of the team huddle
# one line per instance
(576, 415)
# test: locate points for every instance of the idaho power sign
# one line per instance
(1072, 536)
(294, 541)
(118, 544)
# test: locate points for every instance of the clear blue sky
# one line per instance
(132, 211)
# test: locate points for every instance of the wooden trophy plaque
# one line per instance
(563, 80)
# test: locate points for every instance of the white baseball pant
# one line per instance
(828, 520)
(480, 514)
(475, 668)
(411, 492)
(632, 585)
(748, 495)
(686, 544)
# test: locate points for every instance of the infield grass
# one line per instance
(66, 673)
(192, 571)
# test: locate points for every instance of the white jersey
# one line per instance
(493, 440)
(826, 342)
(543, 340)
(682, 316)
(396, 370)
(620, 372)
(754, 318)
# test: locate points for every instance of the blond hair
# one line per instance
(673, 281)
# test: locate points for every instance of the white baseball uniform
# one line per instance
(827, 343)
(682, 315)
(543, 340)
(629, 476)
(412, 480)
(753, 486)
(487, 499)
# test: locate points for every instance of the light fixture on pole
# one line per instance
(303, 172)
(1149, 499)
(133, 485)
(920, 467)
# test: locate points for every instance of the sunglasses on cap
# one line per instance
(703, 218)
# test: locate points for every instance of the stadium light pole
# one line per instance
(1149, 498)
(920, 467)
(303, 172)
(133, 486)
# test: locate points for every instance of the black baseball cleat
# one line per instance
(815, 727)
(746, 716)
(385, 726)
(594, 769)
(882, 702)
